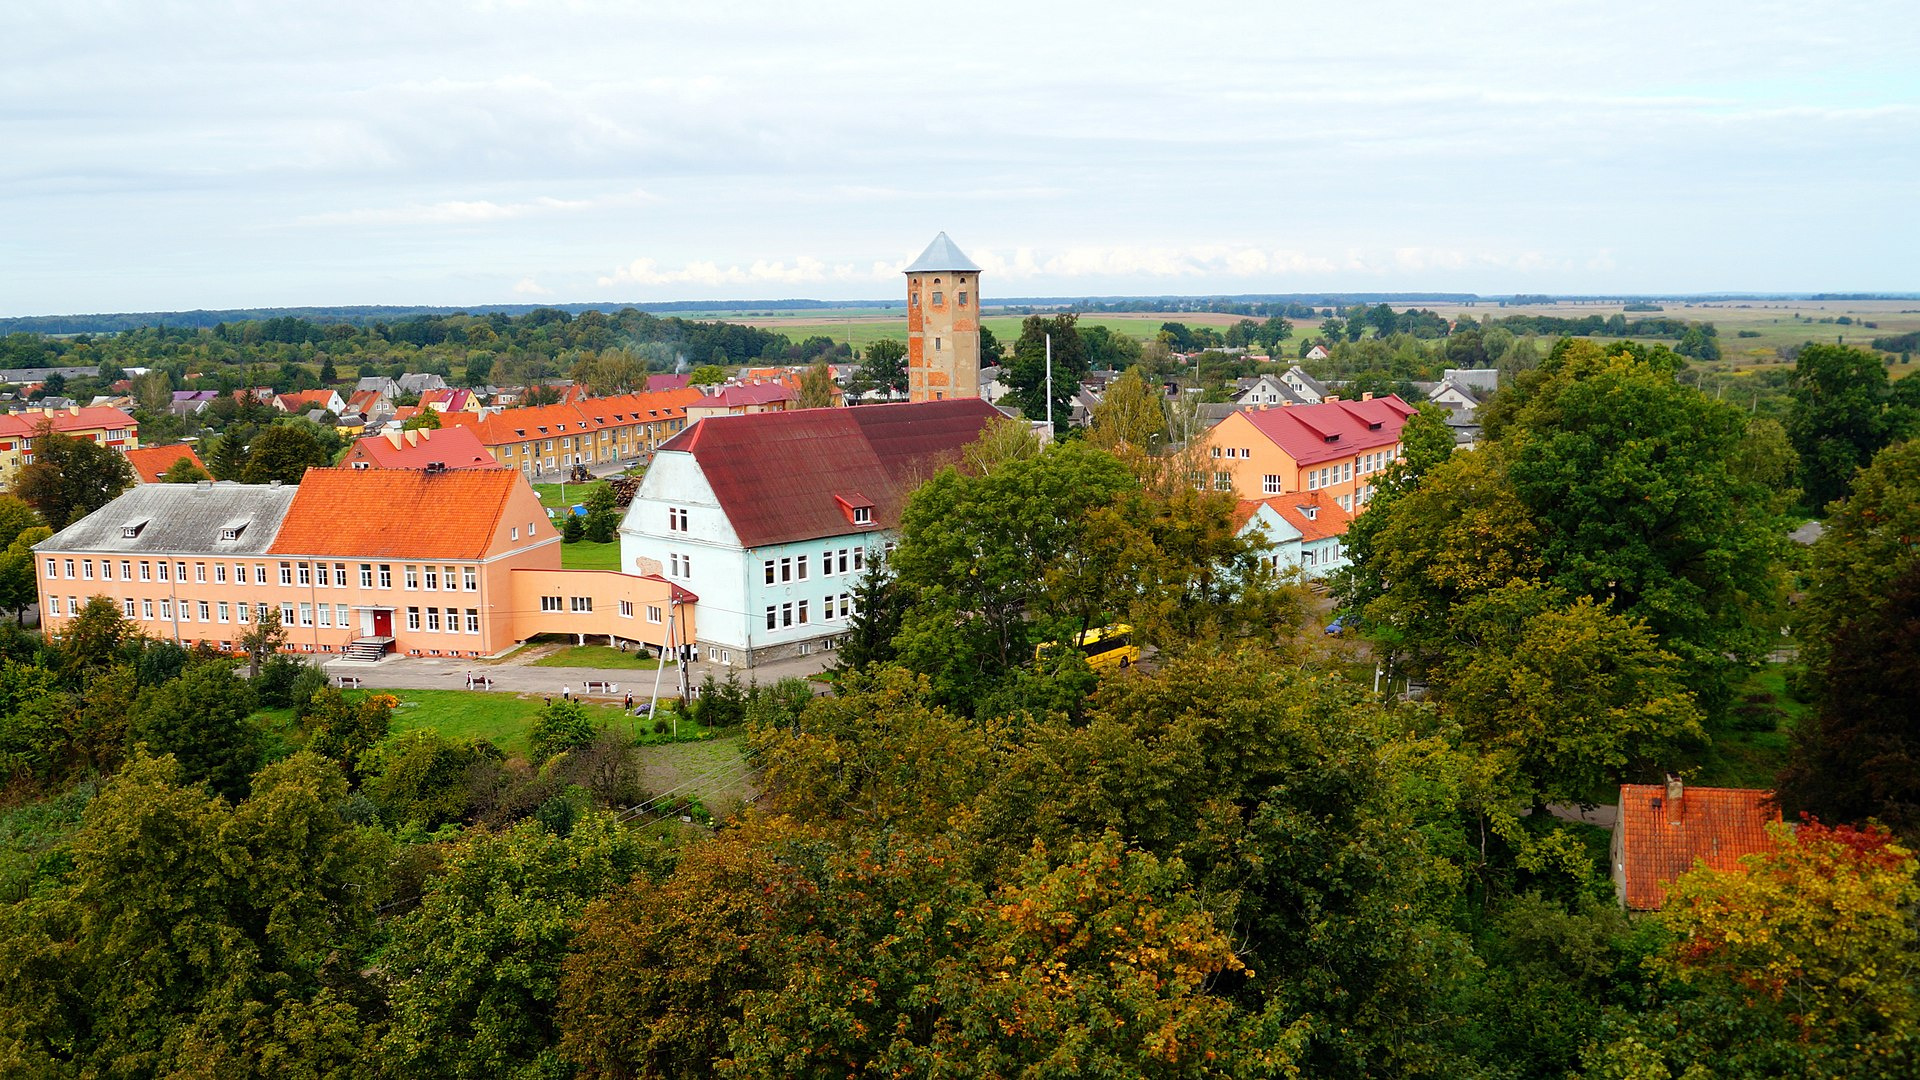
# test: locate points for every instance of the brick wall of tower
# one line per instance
(943, 335)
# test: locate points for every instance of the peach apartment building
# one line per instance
(355, 561)
(1334, 448)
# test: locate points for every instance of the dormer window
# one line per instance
(857, 507)
(132, 529)
(1310, 512)
(863, 515)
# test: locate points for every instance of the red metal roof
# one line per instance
(78, 418)
(777, 474)
(1332, 429)
(1661, 837)
(454, 447)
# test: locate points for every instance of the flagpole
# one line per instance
(1049, 384)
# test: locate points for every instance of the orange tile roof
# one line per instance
(80, 418)
(1661, 837)
(315, 399)
(576, 418)
(396, 513)
(452, 446)
(149, 462)
(1327, 520)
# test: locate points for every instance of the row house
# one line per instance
(553, 438)
(354, 562)
(771, 519)
(1336, 447)
(101, 424)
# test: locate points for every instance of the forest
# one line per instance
(975, 856)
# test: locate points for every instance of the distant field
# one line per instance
(861, 331)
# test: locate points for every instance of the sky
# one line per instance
(160, 155)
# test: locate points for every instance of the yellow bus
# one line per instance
(1103, 646)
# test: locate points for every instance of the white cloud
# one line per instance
(526, 286)
(469, 211)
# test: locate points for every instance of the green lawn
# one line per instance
(576, 494)
(596, 656)
(711, 770)
(478, 714)
(587, 555)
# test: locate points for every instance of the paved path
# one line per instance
(434, 673)
(1603, 816)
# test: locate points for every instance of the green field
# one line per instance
(596, 656)
(587, 555)
(711, 770)
(576, 494)
(863, 331)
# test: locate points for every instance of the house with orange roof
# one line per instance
(306, 401)
(102, 424)
(355, 562)
(150, 463)
(450, 399)
(1664, 830)
(1302, 531)
(1335, 447)
(545, 439)
(421, 448)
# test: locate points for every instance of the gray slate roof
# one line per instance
(180, 519)
(942, 254)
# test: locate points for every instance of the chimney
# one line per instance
(1675, 791)
(1333, 397)
(203, 485)
(274, 483)
(1368, 396)
(1286, 404)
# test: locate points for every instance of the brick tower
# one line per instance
(943, 324)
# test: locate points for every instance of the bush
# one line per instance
(572, 529)
(660, 727)
(274, 685)
(310, 680)
(561, 726)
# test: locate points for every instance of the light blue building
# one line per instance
(771, 519)
(1303, 531)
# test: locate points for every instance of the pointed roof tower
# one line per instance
(942, 254)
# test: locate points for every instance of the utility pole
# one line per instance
(1049, 384)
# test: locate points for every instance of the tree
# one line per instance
(1868, 546)
(328, 374)
(19, 584)
(1130, 415)
(204, 720)
(425, 418)
(16, 517)
(1834, 420)
(884, 367)
(1797, 963)
(265, 639)
(343, 730)
(878, 608)
(184, 471)
(96, 638)
(816, 387)
(707, 375)
(70, 478)
(1026, 372)
(560, 727)
(476, 966)
(283, 452)
(990, 347)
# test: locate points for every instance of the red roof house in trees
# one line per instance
(1663, 829)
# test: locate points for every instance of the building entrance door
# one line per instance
(383, 624)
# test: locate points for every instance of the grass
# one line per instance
(587, 555)
(711, 770)
(459, 715)
(32, 833)
(576, 494)
(596, 656)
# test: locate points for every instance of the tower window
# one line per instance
(936, 344)
(937, 298)
(963, 298)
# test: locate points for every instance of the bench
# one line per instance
(483, 682)
(601, 685)
(347, 682)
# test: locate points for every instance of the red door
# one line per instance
(383, 624)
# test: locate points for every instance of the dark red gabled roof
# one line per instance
(780, 476)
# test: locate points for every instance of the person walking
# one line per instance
(629, 705)
(566, 693)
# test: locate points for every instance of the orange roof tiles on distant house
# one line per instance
(1663, 829)
(151, 462)
(449, 447)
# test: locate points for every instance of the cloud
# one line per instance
(470, 211)
(803, 270)
(526, 286)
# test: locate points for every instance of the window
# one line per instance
(326, 614)
(786, 569)
(225, 612)
(859, 558)
(206, 611)
(653, 615)
(530, 524)
(413, 618)
(826, 606)
(447, 578)
(1313, 480)
(162, 565)
(286, 574)
(770, 616)
(200, 572)
(936, 341)
(938, 298)
(259, 573)
(846, 605)
(1222, 481)
(180, 572)
(433, 577)
(433, 619)
(963, 298)
(126, 570)
(513, 533)
(676, 519)
(470, 579)
(626, 609)
(242, 612)
(69, 567)
(306, 575)
(1216, 451)
(1270, 484)
(580, 603)
(473, 620)
(219, 573)
(127, 607)
(679, 565)
(863, 515)
(843, 560)
(86, 569)
(800, 568)
(786, 614)
(340, 575)
(306, 614)
(366, 575)
(146, 570)
(386, 576)
(803, 613)
(411, 580)
(769, 568)
(166, 609)
(550, 603)
(146, 610)
(340, 615)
